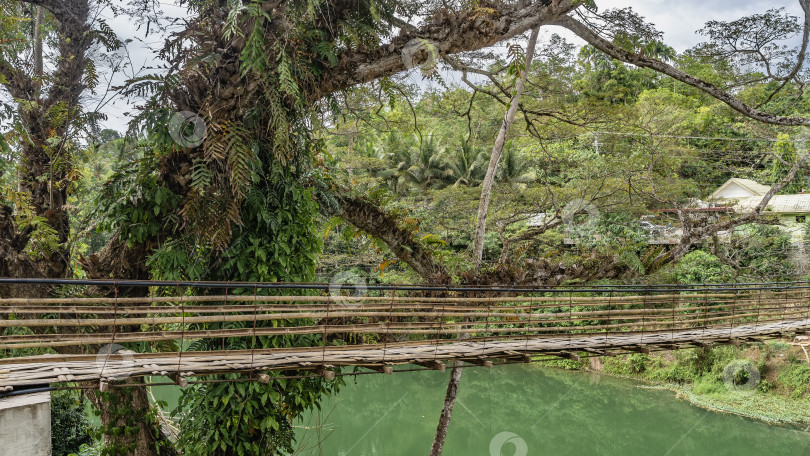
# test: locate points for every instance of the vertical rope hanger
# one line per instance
(76, 312)
(705, 310)
(253, 337)
(733, 311)
(644, 318)
(227, 299)
(182, 337)
(102, 383)
(672, 322)
(387, 334)
(807, 300)
(607, 332)
(439, 329)
(486, 326)
(283, 337)
(784, 309)
(78, 322)
(528, 325)
(570, 321)
(325, 324)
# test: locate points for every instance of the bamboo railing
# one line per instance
(399, 325)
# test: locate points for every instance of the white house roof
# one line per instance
(736, 188)
(745, 194)
(779, 204)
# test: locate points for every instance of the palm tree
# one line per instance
(426, 163)
(659, 50)
(515, 168)
(396, 154)
(467, 166)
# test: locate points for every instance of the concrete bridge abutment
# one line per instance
(25, 425)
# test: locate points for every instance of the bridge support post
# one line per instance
(25, 424)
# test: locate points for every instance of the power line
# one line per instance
(708, 138)
(656, 135)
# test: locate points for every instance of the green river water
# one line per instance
(527, 410)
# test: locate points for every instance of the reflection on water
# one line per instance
(521, 410)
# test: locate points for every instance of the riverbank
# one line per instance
(764, 381)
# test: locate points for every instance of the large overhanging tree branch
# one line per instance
(368, 217)
(641, 60)
(452, 32)
(693, 235)
(225, 93)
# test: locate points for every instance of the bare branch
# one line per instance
(640, 60)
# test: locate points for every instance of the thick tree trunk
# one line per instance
(478, 249)
(447, 410)
(131, 426)
(44, 168)
(368, 217)
(497, 151)
(38, 64)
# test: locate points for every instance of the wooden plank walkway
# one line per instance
(405, 325)
(49, 369)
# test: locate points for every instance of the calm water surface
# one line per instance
(521, 410)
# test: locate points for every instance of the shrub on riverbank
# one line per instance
(778, 368)
(768, 381)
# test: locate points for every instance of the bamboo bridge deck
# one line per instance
(71, 339)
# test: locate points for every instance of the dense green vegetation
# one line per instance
(633, 144)
(315, 157)
(69, 424)
(773, 378)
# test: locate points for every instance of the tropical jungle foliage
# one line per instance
(284, 141)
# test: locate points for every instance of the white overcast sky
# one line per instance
(677, 19)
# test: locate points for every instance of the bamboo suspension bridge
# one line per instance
(80, 338)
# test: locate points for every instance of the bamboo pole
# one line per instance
(332, 299)
(380, 328)
(82, 320)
